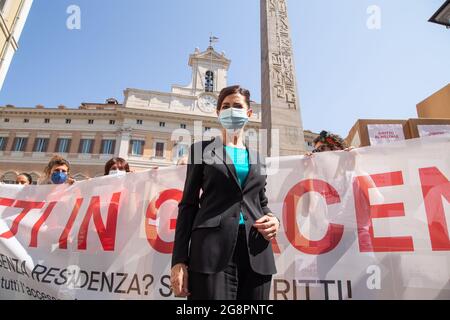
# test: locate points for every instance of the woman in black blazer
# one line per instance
(222, 248)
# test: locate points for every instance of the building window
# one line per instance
(19, 144)
(183, 126)
(63, 145)
(9, 178)
(139, 122)
(35, 178)
(40, 145)
(90, 121)
(137, 147)
(112, 122)
(6, 120)
(26, 120)
(46, 120)
(162, 124)
(159, 150)
(108, 146)
(3, 142)
(86, 146)
(68, 121)
(209, 81)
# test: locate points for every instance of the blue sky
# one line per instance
(345, 71)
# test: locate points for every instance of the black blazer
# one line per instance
(207, 226)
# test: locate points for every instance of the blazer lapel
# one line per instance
(253, 162)
(221, 153)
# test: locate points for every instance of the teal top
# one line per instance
(242, 166)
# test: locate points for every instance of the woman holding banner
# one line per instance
(222, 248)
(117, 167)
(57, 171)
(24, 179)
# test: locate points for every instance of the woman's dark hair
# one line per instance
(26, 175)
(56, 160)
(331, 139)
(114, 161)
(228, 91)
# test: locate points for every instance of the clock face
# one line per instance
(207, 103)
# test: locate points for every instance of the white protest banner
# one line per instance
(367, 224)
(385, 133)
(433, 129)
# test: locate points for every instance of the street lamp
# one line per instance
(442, 16)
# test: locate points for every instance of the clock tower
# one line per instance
(209, 77)
(209, 71)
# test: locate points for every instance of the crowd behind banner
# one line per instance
(367, 223)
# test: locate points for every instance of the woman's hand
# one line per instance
(179, 280)
(70, 181)
(268, 226)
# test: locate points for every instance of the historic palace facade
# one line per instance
(139, 130)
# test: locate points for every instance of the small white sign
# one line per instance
(433, 130)
(385, 133)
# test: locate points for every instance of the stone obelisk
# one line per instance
(280, 103)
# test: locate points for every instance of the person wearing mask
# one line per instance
(24, 179)
(57, 171)
(222, 248)
(117, 167)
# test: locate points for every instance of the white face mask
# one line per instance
(233, 118)
(117, 172)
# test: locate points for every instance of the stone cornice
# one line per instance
(120, 113)
(158, 93)
(205, 56)
(52, 112)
